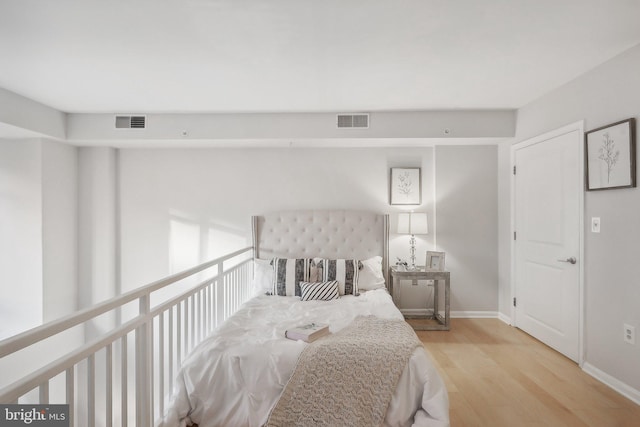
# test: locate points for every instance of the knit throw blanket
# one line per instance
(347, 378)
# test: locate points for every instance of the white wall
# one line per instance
(504, 230)
(20, 236)
(38, 197)
(215, 191)
(59, 229)
(609, 93)
(467, 222)
(183, 197)
(97, 235)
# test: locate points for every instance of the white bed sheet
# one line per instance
(235, 376)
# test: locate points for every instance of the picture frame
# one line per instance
(610, 156)
(405, 186)
(435, 261)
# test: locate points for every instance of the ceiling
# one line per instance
(212, 56)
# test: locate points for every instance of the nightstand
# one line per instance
(439, 278)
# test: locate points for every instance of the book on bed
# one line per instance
(308, 333)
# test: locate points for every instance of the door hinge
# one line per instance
(514, 235)
(514, 301)
(514, 169)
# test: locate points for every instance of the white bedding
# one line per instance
(235, 376)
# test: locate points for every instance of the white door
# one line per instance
(547, 196)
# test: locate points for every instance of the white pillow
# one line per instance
(262, 276)
(370, 276)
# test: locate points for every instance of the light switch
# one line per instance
(595, 224)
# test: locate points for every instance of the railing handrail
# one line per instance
(17, 389)
(25, 339)
(20, 387)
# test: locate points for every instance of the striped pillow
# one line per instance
(320, 291)
(345, 271)
(287, 275)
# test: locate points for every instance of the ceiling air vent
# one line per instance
(353, 121)
(130, 122)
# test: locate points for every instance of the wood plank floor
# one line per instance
(499, 376)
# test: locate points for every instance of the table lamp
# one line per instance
(412, 223)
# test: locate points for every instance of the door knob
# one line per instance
(571, 260)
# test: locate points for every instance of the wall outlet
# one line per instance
(629, 334)
(595, 224)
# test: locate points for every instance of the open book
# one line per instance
(308, 333)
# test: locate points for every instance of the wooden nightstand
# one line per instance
(441, 323)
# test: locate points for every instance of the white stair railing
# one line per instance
(123, 377)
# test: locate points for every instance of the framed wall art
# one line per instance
(610, 156)
(405, 186)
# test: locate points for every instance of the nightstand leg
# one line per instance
(436, 284)
(447, 289)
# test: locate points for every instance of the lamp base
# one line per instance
(412, 252)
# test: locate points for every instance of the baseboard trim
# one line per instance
(506, 319)
(474, 314)
(622, 388)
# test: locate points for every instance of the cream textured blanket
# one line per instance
(348, 378)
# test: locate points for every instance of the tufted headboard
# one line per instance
(322, 233)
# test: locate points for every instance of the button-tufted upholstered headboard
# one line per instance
(322, 233)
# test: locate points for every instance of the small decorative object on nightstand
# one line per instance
(435, 261)
(440, 323)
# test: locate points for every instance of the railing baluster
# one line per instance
(124, 381)
(219, 295)
(71, 393)
(43, 393)
(227, 306)
(193, 322)
(243, 277)
(170, 349)
(201, 316)
(91, 390)
(186, 328)
(207, 312)
(150, 363)
(144, 364)
(187, 316)
(109, 387)
(211, 320)
(211, 306)
(232, 288)
(196, 318)
(179, 333)
(161, 362)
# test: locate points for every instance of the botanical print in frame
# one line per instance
(611, 156)
(405, 187)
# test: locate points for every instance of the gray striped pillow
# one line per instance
(345, 271)
(287, 275)
(320, 291)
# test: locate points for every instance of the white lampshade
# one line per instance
(413, 223)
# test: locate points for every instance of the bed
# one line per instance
(243, 372)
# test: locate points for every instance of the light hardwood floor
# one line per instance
(499, 376)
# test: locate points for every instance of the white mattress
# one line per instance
(235, 376)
